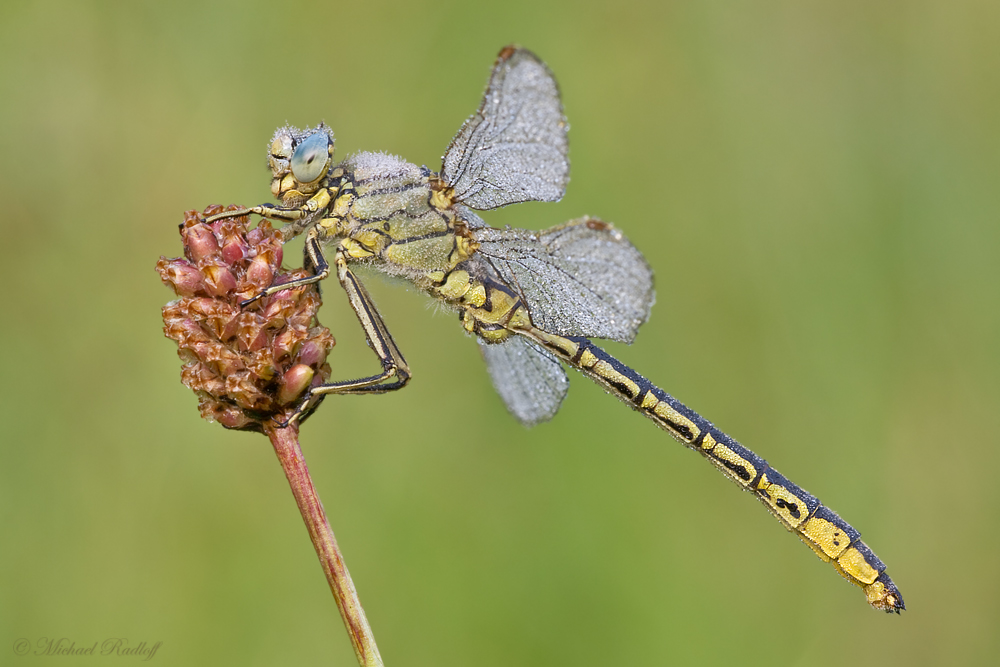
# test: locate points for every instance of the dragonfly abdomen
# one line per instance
(830, 537)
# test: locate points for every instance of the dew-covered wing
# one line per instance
(582, 278)
(530, 380)
(514, 148)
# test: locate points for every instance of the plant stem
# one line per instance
(286, 446)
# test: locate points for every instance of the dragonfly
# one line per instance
(533, 299)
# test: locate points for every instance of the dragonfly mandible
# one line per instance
(533, 299)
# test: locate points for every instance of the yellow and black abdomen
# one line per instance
(833, 539)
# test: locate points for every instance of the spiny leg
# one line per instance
(315, 260)
(268, 211)
(299, 218)
(376, 333)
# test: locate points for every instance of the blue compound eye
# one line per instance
(310, 159)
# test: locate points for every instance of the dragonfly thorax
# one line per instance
(393, 216)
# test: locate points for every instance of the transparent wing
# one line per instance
(582, 278)
(514, 148)
(530, 380)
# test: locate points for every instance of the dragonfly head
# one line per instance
(299, 161)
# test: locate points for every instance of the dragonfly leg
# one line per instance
(315, 260)
(299, 217)
(395, 372)
(268, 211)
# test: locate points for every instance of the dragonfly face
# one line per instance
(533, 299)
(299, 163)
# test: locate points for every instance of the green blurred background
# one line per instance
(815, 185)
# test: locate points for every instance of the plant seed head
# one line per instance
(246, 365)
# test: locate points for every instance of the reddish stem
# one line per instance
(286, 446)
